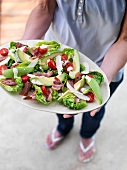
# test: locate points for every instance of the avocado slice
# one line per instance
(47, 81)
(87, 89)
(77, 86)
(23, 64)
(64, 94)
(95, 88)
(52, 54)
(20, 72)
(23, 56)
(76, 65)
(45, 67)
(80, 83)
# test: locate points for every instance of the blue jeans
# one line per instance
(89, 124)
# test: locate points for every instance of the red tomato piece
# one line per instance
(69, 64)
(25, 50)
(90, 75)
(44, 90)
(51, 64)
(25, 78)
(91, 96)
(42, 50)
(4, 51)
(64, 57)
(2, 68)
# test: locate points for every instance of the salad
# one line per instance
(46, 73)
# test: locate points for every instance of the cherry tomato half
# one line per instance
(90, 75)
(25, 50)
(44, 90)
(2, 68)
(69, 64)
(51, 64)
(42, 50)
(91, 96)
(64, 57)
(25, 78)
(4, 51)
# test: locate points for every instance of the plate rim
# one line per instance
(69, 111)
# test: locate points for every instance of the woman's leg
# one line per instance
(63, 128)
(64, 125)
(90, 125)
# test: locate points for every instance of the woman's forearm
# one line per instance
(116, 56)
(115, 59)
(39, 20)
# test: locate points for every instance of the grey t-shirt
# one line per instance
(90, 26)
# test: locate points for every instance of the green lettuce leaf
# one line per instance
(82, 67)
(12, 45)
(65, 78)
(13, 88)
(87, 90)
(10, 62)
(38, 68)
(69, 52)
(69, 101)
(39, 95)
(52, 45)
(98, 76)
(55, 94)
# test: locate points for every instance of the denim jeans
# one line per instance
(89, 124)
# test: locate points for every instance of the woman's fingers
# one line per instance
(68, 116)
(93, 112)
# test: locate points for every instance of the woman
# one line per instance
(98, 29)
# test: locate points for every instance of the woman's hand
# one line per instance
(92, 113)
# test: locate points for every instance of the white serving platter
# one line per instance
(55, 107)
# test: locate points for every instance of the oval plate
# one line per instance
(55, 107)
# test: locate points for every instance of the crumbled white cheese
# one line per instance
(15, 71)
(88, 78)
(44, 46)
(59, 64)
(70, 68)
(35, 81)
(4, 61)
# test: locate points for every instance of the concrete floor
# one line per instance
(23, 132)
